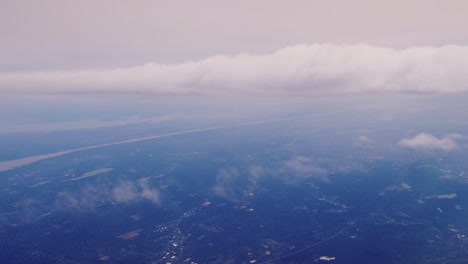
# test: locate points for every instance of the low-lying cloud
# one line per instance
(128, 191)
(90, 197)
(233, 184)
(428, 141)
(300, 168)
(322, 69)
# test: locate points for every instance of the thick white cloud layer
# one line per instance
(298, 70)
(428, 141)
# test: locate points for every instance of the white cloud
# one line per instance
(128, 191)
(292, 171)
(125, 192)
(149, 193)
(428, 141)
(364, 139)
(90, 197)
(227, 184)
(232, 184)
(300, 168)
(322, 69)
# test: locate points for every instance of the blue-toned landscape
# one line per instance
(336, 186)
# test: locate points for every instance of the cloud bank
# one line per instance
(322, 69)
(428, 141)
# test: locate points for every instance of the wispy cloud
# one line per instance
(428, 141)
(90, 197)
(366, 140)
(227, 184)
(129, 191)
(232, 184)
(324, 69)
(300, 168)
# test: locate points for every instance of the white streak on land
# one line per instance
(92, 173)
(12, 164)
(40, 183)
(447, 196)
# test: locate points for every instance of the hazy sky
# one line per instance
(170, 47)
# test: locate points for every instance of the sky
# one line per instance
(227, 48)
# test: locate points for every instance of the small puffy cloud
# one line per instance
(364, 139)
(232, 184)
(125, 192)
(305, 70)
(227, 184)
(149, 193)
(291, 171)
(129, 191)
(428, 141)
(85, 199)
(90, 197)
(256, 173)
(300, 168)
